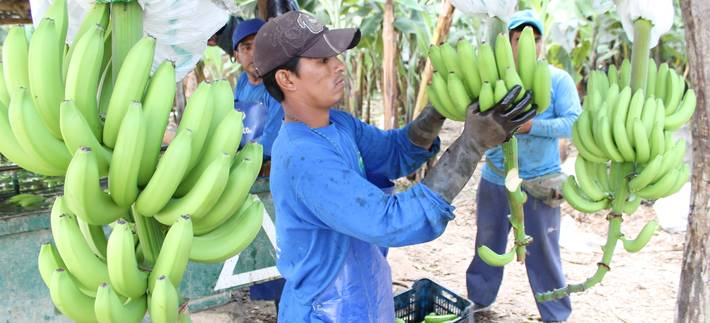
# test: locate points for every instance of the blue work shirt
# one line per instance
(538, 150)
(248, 92)
(324, 204)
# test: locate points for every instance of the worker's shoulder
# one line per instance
(557, 74)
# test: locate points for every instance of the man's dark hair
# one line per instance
(270, 78)
(521, 27)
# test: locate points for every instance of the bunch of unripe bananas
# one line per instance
(465, 75)
(62, 114)
(636, 128)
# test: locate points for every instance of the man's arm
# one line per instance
(566, 109)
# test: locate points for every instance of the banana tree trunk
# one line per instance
(693, 304)
(389, 67)
(441, 30)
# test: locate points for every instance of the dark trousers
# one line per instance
(542, 262)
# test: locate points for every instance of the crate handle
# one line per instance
(449, 296)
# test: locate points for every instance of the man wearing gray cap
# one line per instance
(330, 220)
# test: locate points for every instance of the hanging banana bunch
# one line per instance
(627, 152)
(77, 113)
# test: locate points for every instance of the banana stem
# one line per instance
(613, 236)
(640, 53)
(127, 29)
(517, 216)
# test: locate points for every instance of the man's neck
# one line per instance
(253, 79)
(300, 112)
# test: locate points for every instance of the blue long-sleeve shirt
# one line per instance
(323, 200)
(538, 150)
(245, 91)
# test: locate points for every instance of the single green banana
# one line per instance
(231, 237)
(647, 175)
(683, 178)
(168, 175)
(110, 309)
(492, 258)
(611, 96)
(487, 65)
(123, 272)
(59, 12)
(635, 109)
(223, 102)
(583, 150)
(174, 254)
(612, 75)
(661, 186)
(619, 125)
(77, 133)
(45, 74)
(586, 182)
(574, 197)
(450, 58)
(632, 204)
(130, 85)
(542, 88)
(67, 297)
(88, 270)
(661, 80)
(457, 93)
(675, 86)
(48, 261)
(11, 149)
(83, 193)
(97, 15)
(604, 138)
(125, 163)
(94, 237)
(527, 56)
(642, 238)
(84, 74)
(512, 79)
(198, 117)
(157, 105)
(436, 102)
(440, 87)
(625, 73)
(198, 201)
(601, 172)
(660, 115)
(468, 62)
(643, 149)
(5, 95)
(164, 302)
(33, 136)
(584, 126)
(504, 54)
(651, 78)
(241, 178)
(437, 61)
(683, 114)
(657, 141)
(675, 152)
(15, 50)
(648, 114)
(500, 91)
(486, 100)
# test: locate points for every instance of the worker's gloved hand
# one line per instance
(481, 132)
(425, 128)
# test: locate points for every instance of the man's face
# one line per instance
(245, 55)
(515, 36)
(320, 81)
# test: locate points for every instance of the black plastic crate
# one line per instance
(427, 297)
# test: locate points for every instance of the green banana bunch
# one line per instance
(464, 75)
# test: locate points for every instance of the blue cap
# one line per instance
(525, 17)
(245, 29)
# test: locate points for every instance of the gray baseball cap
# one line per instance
(298, 34)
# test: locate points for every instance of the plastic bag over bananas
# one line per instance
(493, 8)
(658, 12)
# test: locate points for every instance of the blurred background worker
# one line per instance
(539, 163)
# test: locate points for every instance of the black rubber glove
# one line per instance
(481, 132)
(425, 128)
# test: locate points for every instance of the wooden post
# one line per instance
(389, 67)
(693, 304)
(440, 32)
(262, 8)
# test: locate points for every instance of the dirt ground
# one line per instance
(640, 287)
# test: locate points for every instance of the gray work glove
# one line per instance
(481, 132)
(425, 128)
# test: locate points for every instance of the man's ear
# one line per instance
(284, 79)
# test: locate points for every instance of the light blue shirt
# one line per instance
(325, 205)
(247, 92)
(538, 150)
